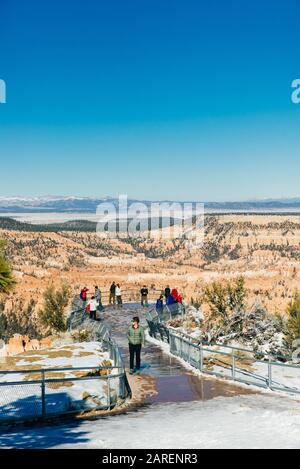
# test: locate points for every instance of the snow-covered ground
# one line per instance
(249, 421)
(24, 400)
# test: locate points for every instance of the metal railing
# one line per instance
(51, 392)
(225, 361)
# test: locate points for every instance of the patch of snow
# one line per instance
(24, 400)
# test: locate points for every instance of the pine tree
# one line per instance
(216, 297)
(53, 313)
(6, 277)
(225, 298)
(237, 294)
(293, 322)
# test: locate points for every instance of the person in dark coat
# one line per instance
(167, 291)
(112, 293)
(144, 296)
(160, 304)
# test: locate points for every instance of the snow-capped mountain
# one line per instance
(62, 204)
(50, 203)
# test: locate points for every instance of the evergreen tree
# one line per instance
(216, 297)
(225, 298)
(236, 294)
(293, 322)
(53, 313)
(6, 278)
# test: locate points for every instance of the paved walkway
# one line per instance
(174, 382)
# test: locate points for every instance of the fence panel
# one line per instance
(20, 401)
(41, 393)
(234, 363)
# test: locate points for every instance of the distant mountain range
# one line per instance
(61, 204)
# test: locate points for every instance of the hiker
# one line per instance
(144, 296)
(83, 294)
(136, 339)
(170, 300)
(167, 292)
(160, 304)
(112, 293)
(119, 296)
(174, 294)
(92, 308)
(98, 296)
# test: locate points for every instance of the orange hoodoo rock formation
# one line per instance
(19, 344)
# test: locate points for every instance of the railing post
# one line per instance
(201, 358)
(270, 373)
(233, 365)
(122, 386)
(43, 386)
(108, 393)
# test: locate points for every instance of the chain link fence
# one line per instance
(27, 395)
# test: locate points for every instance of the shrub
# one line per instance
(80, 336)
(53, 313)
(236, 294)
(293, 321)
(225, 298)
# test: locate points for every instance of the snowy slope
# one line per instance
(250, 421)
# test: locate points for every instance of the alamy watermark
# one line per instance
(153, 220)
(2, 92)
(295, 97)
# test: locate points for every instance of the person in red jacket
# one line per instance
(83, 294)
(174, 293)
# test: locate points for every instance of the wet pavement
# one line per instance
(174, 382)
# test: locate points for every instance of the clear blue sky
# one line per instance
(182, 99)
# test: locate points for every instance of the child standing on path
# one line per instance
(92, 306)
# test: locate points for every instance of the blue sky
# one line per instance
(153, 98)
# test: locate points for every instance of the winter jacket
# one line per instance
(144, 291)
(93, 305)
(174, 293)
(170, 300)
(118, 291)
(98, 295)
(159, 304)
(113, 289)
(83, 294)
(136, 336)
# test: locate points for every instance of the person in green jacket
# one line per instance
(136, 338)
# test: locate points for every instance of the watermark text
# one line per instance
(2, 92)
(295, 97)
(153, 220)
